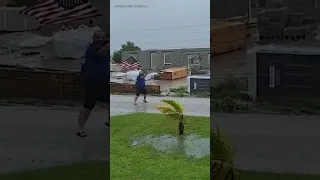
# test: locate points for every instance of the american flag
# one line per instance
(61, 11)
(130, 64)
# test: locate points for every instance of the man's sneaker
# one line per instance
(82, 134)
(107, 124)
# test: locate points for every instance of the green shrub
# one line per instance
(230, 87)
(179, 94)
(223, 171)
(179, 91)
(228, 105)
(221, 147)
(202, 95)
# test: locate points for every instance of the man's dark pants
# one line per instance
(96, 92)
(141, 90)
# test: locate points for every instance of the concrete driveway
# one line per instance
(274, 143)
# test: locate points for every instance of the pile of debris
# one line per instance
(24, 48)
(130, 76)
(280, 25)
(54, 52)
(227, 36)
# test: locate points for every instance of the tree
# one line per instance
(128, 46)
(116, 57)
(173, 110)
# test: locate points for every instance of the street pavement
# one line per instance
(192, 106)
(274, 143)
(37, 137)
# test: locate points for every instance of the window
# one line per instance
(209, 58)
(317, 4)
(152, 60)
(259, 4)
(166, 58)
(274, 77)
(194, 59)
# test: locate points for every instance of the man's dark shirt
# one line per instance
(96, 68)
(141, 82)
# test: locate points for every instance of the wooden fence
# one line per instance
(46, 84)
(130, 88)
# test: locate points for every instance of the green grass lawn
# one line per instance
(143, 163)
(78, 171)
(251, 175)
(100, 171)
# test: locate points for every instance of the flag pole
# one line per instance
(249, 10)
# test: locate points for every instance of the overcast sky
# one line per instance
(160, 24)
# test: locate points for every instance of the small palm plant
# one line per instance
(173, 110)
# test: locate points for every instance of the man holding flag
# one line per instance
(95, 72)
(96, 78)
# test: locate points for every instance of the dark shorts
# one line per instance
(141, 90)
(96, 92)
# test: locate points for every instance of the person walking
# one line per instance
(141, 87)
(95, 75)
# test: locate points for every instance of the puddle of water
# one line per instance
(191, 145)
(196, 147)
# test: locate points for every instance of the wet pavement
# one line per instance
(36, 137)
(192, 106)
(274, 143)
